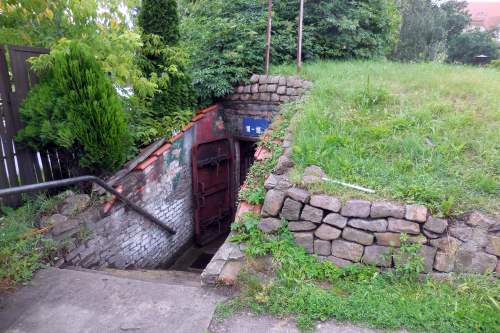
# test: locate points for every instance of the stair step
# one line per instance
(182, 278)
(160, 276)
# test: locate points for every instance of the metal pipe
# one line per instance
(81, 179)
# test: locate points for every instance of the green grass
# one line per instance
(424, 133)
(23, 251)
(311, 290)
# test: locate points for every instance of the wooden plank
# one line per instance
(7, 129)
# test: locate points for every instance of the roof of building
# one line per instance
(484, 14)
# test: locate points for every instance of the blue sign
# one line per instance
(254, 127)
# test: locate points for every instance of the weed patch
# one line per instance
(22, 249)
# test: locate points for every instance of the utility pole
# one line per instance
(268, 35)
(299, 39)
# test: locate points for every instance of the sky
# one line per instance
(483, 0)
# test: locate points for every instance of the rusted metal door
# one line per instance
(212, 189)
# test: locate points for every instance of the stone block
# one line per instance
(338, 261)
(428, 253)
(265, 97)
(74, 204)
(478, 240)
(254, 78)
(284, 98)
(379, 225)
(446, 244)
(322, 247)
(416, 213)
(298, 194)
(357, 236)
(461, 232)
(417, 239)
(262, 88)
(444, 262)
(271, 182)
(245, 97)
(493, 246)
(430, 234)
(356, 208)
(388, 239)
(336, 220)
(281, 90)
(55, 220)
(247, 89)
(238, 90)
(255, 88)
(477, 219)
(229, 273)
(327, 232)
(378, 256)
(326, 202)
(312, 214)
(275, 98)
(347, 250)
(284, 163)
(291, 210)
(387, 209)
(301, 226)
(475, 262)
(264, 79)
(68, 226)
(436, 225)
(398, 225)
(282, 81)
(271, 88)
(304, 239)
(273, 202)
(290, 91)
(269, 225)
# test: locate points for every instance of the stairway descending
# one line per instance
(109, 300)
(182, 278)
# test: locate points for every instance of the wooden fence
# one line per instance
(20, 165)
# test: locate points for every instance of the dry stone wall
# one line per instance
(369, 231)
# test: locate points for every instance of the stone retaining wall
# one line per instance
(260, 100)
(370, 231)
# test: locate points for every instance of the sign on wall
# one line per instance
(254, 127)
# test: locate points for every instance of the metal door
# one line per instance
(212, 189)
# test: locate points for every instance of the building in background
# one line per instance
(485, 16)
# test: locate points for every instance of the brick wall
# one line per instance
(160, 182)
(259, 100)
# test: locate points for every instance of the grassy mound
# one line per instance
(424, 133)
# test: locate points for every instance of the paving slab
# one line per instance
(251, 323)
(58, 301)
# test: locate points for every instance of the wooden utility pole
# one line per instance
(268, 35)
(299, 38)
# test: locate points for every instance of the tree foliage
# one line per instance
(468, 45)
(104, 25)
(160, 17)
(76, 107)
(226, 39)
(161, 58)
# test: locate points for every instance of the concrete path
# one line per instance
(60, 301)
(250, 323)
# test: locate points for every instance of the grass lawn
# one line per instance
(424, 133)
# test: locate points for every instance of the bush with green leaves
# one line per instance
(75, 107)
(162, 59)
(465, 47)
(226, 40)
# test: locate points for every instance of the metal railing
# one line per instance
(93, 179)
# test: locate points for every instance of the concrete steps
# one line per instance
(157, 276)
(70, 300)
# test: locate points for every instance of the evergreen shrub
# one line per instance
(76, 107)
